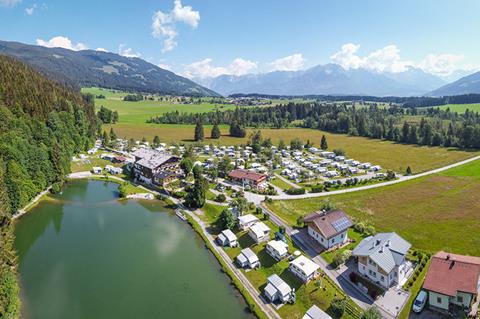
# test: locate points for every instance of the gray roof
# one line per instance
(387, 250)
(316, 313)
(270, 290)
(279, 284)
(249, 254)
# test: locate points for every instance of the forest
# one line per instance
(434, 127)
(42, 125)
(409, 101)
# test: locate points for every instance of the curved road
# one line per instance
(259, 198)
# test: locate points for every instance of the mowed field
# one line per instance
(137, 113)
(387, 154)
(133, 117)
(438, 212)
(461, 108)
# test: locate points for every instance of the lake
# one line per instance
(84, 254)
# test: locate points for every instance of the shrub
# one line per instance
(338, 306)
(317, 189)
(295, 191)
(221, 198)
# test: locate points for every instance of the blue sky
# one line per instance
(209, 37)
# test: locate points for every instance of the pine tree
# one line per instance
(156, 140)
(215, 132)
(323, 143)
(113, 136)
(199, 135)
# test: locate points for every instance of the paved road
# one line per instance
(258, 198)
(361, 299)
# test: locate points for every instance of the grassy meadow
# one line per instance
(389, 155)
(461, 108)
(437, 212)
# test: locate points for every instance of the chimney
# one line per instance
(388, 243)
(452, 264)
(381, 249)
(448, 257)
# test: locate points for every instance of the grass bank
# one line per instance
(436, 212)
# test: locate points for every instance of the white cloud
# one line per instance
(127, 52)
(31, 9)
(386, 59)
(164, 24)
(101, 50)
(62, 42)
(292, 62)
(205, 69)
(443, 64)
(9, 3)
(185, 14)
(347, 58)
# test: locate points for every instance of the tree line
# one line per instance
(434, 126)
(42, 125)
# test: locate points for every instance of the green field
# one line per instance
(139, 112)
(461, 108)
(387, 154)
(437, 212)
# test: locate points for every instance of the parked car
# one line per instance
(420, 302)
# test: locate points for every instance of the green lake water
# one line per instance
(86, 255)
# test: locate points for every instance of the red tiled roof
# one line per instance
(449, 273)
(324, 222)
(246, 174)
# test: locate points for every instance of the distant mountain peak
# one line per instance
(330, 79)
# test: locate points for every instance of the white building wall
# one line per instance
(331, 242)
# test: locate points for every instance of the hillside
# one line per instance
(466, 85)
(327, 79)
(42, 124)
(102, 69)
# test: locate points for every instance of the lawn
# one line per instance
(436, 212)
(88, 163)
(356, 238)
(280, 183)
(461, 108)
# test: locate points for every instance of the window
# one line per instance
(343, 235)
(439, 300)
(382, 278)
(459, 299)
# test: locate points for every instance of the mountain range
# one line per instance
(104, 69)
(331, 79)
(466, 85)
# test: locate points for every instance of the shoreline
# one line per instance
(253, 305)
